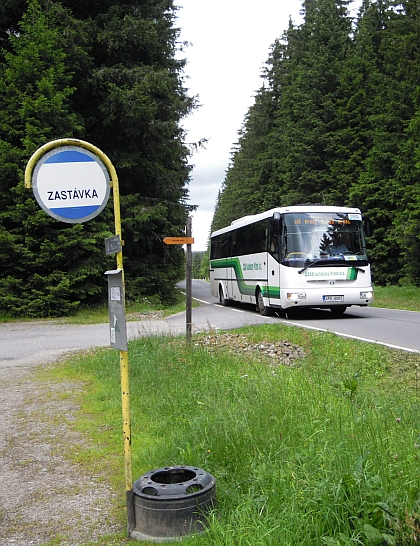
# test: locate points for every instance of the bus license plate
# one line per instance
(333, 298)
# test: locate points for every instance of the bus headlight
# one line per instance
(294, 296)
(368, 295)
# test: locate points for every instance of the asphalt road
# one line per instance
(32, 343)
(36, 342)
(394, 328)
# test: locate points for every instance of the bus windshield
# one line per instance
(323, 238)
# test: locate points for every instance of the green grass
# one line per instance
(134, 311)
(147, 307)
(326, 452)
(397, 297)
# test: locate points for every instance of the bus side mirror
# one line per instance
(368, 227)
(276, 223)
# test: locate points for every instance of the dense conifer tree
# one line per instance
(386, 35)
(243, 191)
(48, 267)
(105, 72)
(289, 150)
(308, 121)
(133, 102)
(196, 264)
(403, 48)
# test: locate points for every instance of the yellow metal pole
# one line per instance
(66, 142)
(124, 371)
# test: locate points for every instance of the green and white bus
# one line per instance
(304, 256)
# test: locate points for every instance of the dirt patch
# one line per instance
(150, 315)
(275, 353)
(44, 498)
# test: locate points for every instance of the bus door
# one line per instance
(230, 268)
(230, 279)
(273, 259)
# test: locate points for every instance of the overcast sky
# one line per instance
(230, 43)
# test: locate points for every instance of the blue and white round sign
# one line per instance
(71, 184)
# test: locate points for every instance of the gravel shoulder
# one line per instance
(44, 499)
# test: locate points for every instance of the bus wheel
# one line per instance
(222, 298)
(338, 310)
(264, 311)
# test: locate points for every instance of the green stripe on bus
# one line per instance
(267, 291)
(351, 274)
(244, 288)
(272, 292)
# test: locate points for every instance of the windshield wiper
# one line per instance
(310, 264)
(346, 264)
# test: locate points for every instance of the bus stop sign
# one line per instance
(71, 184)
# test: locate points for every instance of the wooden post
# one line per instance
(188, 311)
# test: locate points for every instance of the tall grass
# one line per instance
(325, 452)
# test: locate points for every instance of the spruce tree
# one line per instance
(105, 72)
(132, 103)
(196, 264)
(384, 34)
(243, 188)
(48, 268)
(341, 111)
(406, 221)
(293, 146)
(305, 148)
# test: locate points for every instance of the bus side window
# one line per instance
(225, 245)
(215, 248)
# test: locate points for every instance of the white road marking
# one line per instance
(358, 338)
(196, 299)
(202, 301)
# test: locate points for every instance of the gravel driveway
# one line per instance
(44, 499)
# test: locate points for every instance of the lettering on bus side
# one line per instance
(325, 274)
(255, 266)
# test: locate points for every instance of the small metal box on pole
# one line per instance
(113, 245)
(117, 320)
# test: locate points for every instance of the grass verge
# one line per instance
(144, 309)
(324, 450)
(397, 297)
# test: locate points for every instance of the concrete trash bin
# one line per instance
(172, 502)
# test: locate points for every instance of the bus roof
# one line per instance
(245, 220)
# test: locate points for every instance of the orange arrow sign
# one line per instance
(178, 240)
